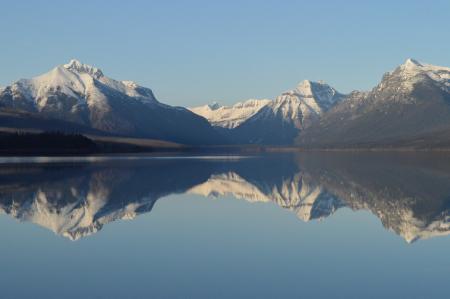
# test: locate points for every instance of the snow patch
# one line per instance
(78, 81)
(298, 106)
(230, 116)
(413, 71)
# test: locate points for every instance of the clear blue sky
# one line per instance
(192, 52)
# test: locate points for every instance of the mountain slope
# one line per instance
(410, 107)
(230, 116)
(81, 94)
(280, 121)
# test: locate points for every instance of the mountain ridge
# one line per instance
(81, 94)
(273, 122)
(408, 108)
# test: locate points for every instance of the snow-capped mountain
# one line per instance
(81, 94)
(303, 104)
(281, 120)
(68, 91)
(412, 72)
(230, 116)
(409, 107)
(272, 122)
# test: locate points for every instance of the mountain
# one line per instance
(230, 116)
(275, 122)
(410, 107)
(86, 100)
(280, 121)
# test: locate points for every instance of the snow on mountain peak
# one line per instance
(320, 91)
(316, 96)
(413, 71)
(410, 62)
(413, 66)
(304, 85)
(298, 106)
(304, 88)
(304, 104)
(78, 67)
(80, 82)
(230, 116)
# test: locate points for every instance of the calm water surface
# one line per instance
(277, 226)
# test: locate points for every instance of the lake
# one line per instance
(307, 225)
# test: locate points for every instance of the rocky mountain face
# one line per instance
(275, 122)
(410, 107)
(280, 121)
(84, 99)
(230, 117)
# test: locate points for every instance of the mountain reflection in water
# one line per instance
(408, 192)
